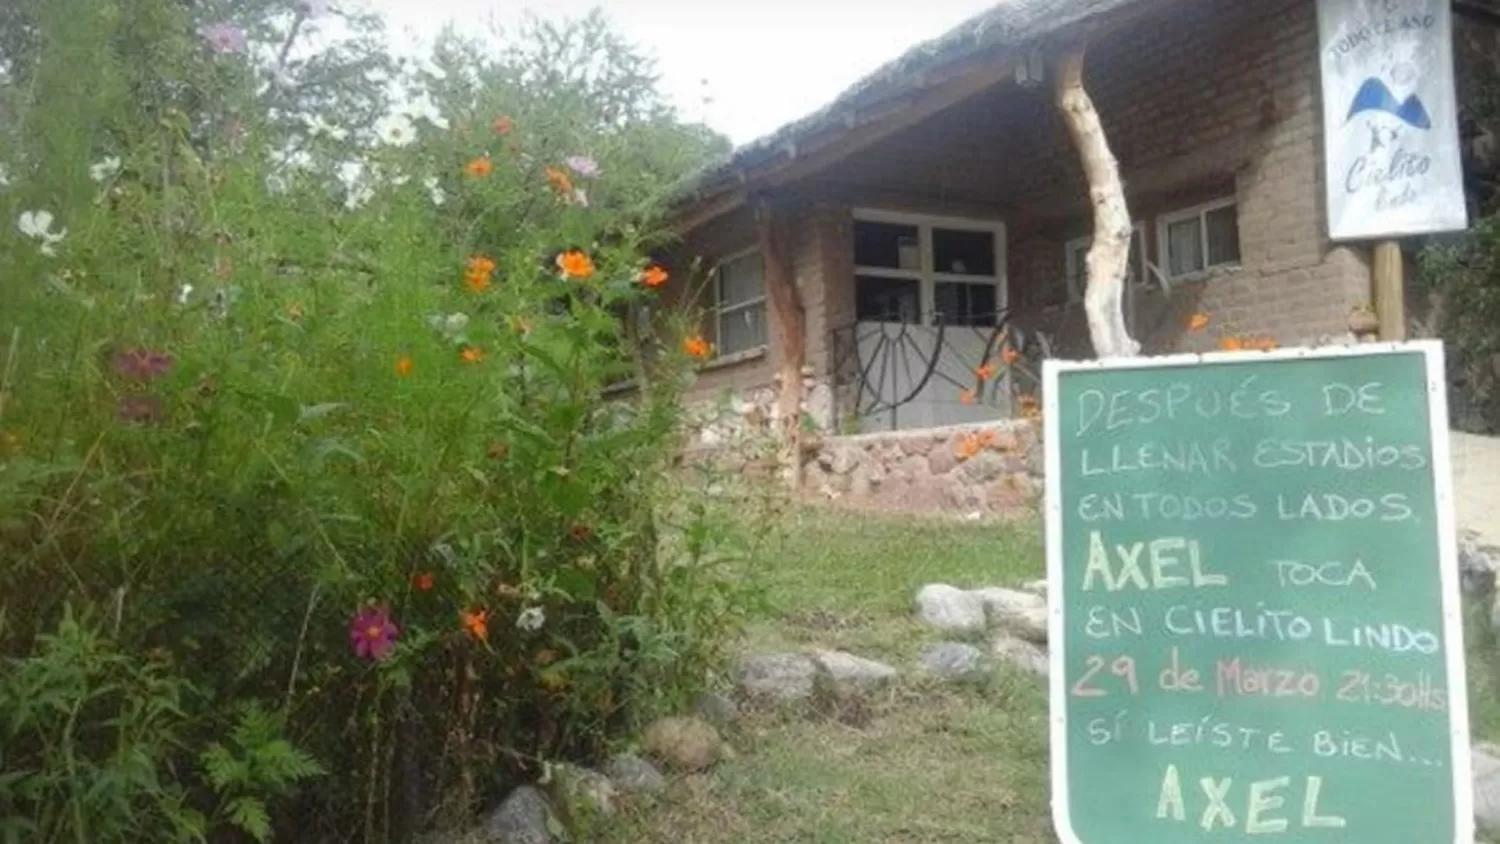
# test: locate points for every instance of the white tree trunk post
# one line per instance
(1109, 256)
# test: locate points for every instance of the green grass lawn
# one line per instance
(923, 763)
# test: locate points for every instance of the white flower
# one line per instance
(318, 126)
(531, 619)
(439, 196)
(4, 177)
(37, 225)
(396, 130)
(581, 197)
(184, 293)
(105, 170)
(401, 180)
(451, 325)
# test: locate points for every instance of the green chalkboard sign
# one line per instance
(1255, 622)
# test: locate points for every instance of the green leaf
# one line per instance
(284, 411)
(249, 814)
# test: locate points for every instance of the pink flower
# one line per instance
(582, 165)
(138, 409)
(372, 633)
(224, 37)
(142, 364)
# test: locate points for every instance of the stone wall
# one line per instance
(991, 470)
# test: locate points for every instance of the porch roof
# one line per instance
(934, 70)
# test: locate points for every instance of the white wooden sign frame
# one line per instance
(1442, 477)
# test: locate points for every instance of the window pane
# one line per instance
(965, 304)
(886, 245)
(887, 299)
(1137, 268)
(1223, 236)
(1184, 247)
(963, 252)
(741, 281)
(743, 329)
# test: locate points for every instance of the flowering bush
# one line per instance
(315, 426)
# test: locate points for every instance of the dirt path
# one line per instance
(1476, 484)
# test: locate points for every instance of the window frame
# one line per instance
(1071, 267)
(1199, 213)
(721, 311)
(926, 275)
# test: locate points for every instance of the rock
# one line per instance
(850, 673)
(1486, 761)
(634, 775)
(717, 709)
(689, 745)
(522, 818)
(1021, 653)
(942, 460)
(1477, 566)
(949, 608)
(778, 677)
(845, 458)
(1021, 613)
(954, 660)
(984, 467)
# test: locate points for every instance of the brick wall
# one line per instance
(1201, 100)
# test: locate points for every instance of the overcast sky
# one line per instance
(745, 67)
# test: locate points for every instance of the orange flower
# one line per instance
(1231, 344)
(503, 126)
(404, 366)
(697, 347)
(985, 372)
(423, 581)
(481, 265)
(653, 276)
(967, 396)
(480, 167)
(559, 181)
(472, 354)
(575, 264)
(1009, 355)
(1198, 322)
(477, 277)
(477, 624)
(968, 447)
(1030, 408)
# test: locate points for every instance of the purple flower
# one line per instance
(224, 37)
(582, 165)
(142, 364)
(372, 633)
(313, 8)
(138, 409)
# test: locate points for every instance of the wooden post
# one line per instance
(1109, 256)
(789, 325)
(1390, 291)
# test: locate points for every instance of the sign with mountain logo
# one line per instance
(1255, 618)
(1390, 119)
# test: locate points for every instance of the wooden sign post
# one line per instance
(1255, 622)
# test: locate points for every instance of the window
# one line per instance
(912, 268)
(1077, 255)
(1197, 239)
(740, 304)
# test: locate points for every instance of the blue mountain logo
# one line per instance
(1375, 96)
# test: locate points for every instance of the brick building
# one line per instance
(933, 219)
